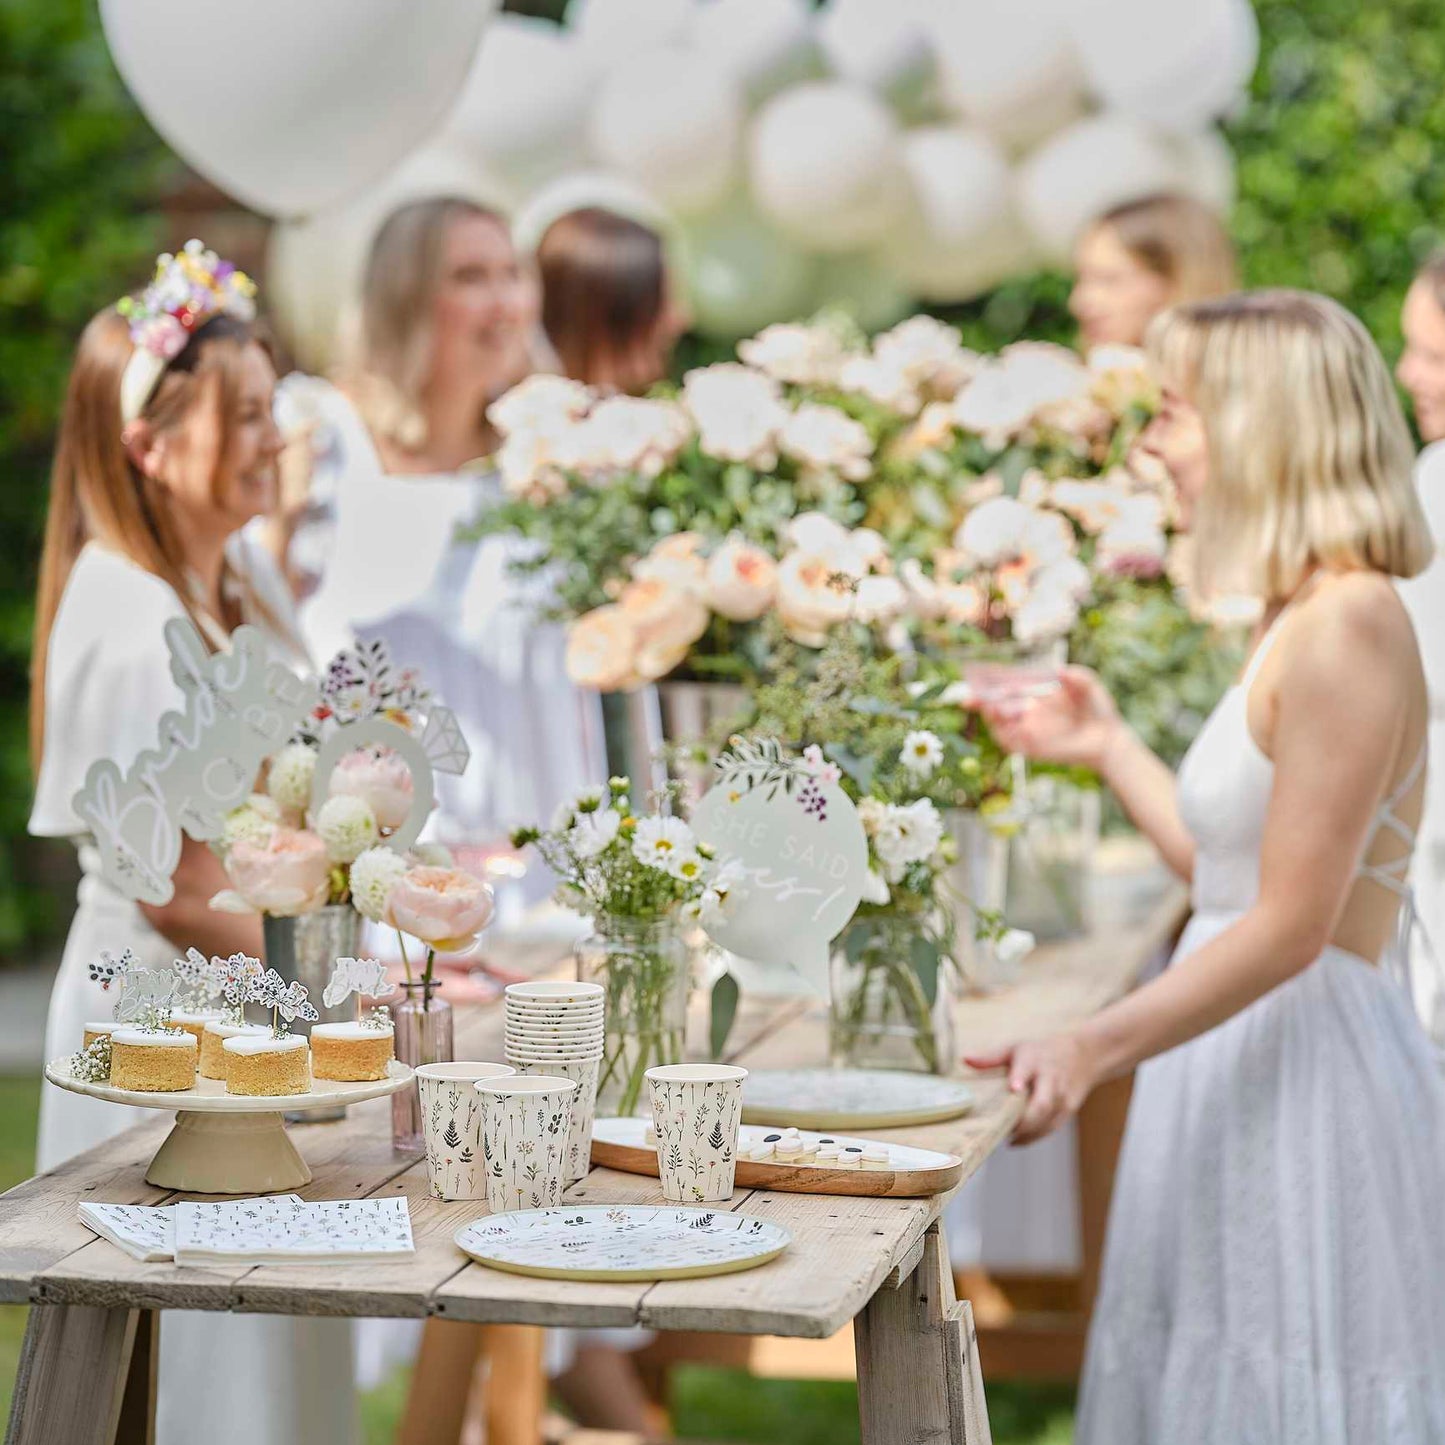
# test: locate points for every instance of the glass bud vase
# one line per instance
(423, 1035)
(645, 966)
(883, 1012)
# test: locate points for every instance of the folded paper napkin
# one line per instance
(278, 1229)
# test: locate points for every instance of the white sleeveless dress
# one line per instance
(108, 681)
(1275, 1265)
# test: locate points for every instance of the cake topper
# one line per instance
(364, 977)
(240, 973)
(145, 997)
(239, 708)
(799, 854)
(286, 1001)
(200, 981)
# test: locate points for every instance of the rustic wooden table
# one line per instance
(87, 1371)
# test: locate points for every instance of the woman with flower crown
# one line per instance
(167, 448)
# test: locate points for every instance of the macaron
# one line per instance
(791, 1149)
(828, 1153)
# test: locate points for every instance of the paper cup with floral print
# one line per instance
(451, 1120)
(584, 1107)
(526, 1121)
(696, 1110)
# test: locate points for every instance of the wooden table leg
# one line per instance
(137, 1425)
(72, 1376)
(436, 1402)
(516, 1386)
(919, 1381)
(1101, 1132)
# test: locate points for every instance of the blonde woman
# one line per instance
(370, 538)
(1144, 256)
(1275, 1268)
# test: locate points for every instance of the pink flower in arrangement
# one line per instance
(288, 875)
(381, 779)
(443, 907)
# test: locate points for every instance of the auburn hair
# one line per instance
(1180, 240)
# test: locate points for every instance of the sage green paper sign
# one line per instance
(798, 843)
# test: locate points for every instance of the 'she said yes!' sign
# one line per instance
(796, 840)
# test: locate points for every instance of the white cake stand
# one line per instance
(230, 1143)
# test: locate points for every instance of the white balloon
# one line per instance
(526, 99)
(611, 30)
(862, 286)
(742, 274)
(671, 120)
(314, 267)
(884, 47)
(1088, 168)
(764, 45)
(1179, 64)
(1008, 65)
(293, 104)
(577, 190)
(826, 166)
(964, 235)
(1206, 167)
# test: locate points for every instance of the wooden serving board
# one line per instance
(622, 1144)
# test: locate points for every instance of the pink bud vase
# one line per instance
(423, 1035)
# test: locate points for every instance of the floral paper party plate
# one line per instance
(622, 1242)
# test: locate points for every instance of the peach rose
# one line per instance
(666, 618)
(381, 779)
(443, 907)
(601, 645)
(812, 598)
(676, 561)
(741, 581)
(285, 876)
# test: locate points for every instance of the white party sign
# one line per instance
(797, 841)
(240, 706)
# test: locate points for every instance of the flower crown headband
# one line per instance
(187, 291)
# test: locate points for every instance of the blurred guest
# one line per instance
(609, 309)
(1421, 372)
(163, 455)
(1144, 256)
(389, 476)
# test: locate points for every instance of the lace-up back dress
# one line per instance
(1275, 1266)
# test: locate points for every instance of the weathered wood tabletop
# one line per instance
(92, 1298)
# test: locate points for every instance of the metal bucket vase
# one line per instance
(304, 950)
(676, 714)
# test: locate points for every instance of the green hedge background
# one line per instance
(1341, 158)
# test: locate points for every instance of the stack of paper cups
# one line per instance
(556, 1028)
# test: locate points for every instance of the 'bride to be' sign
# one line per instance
(798, 845)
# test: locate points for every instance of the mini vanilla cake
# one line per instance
(350, 1052)
(264, 1065)
(213, 1061)
(94, 1032)
(194, 1021)
(152, 1062)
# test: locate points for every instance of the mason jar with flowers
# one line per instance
(643, 879)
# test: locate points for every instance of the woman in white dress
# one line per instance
(159, 464)
(1421, 371)
(1275, 1267)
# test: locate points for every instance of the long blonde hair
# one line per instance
(1310, 460)
(1180, 240)
(386, 362)
(98, 494)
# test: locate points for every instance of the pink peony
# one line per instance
(443, 907)
(288, 875)
(381, 779)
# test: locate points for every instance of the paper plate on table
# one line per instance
(851, 1098)
(610, 1242)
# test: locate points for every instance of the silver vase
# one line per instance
(304, 950)
(978, 880)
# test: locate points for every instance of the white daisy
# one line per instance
(593, 832)
(922, 752)
(662, 842)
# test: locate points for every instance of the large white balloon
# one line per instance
(1093, 165)
(964, 235)
(885, 47)
(742, 275)
(578, 190)
(526, 99)
(293, 104)
(826, 165)
(1206, 167)
(1008, 65)
(861, 285)
(671, 120)
(611, 30)
(763, 44)
(314, 267)
(1179, 65)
